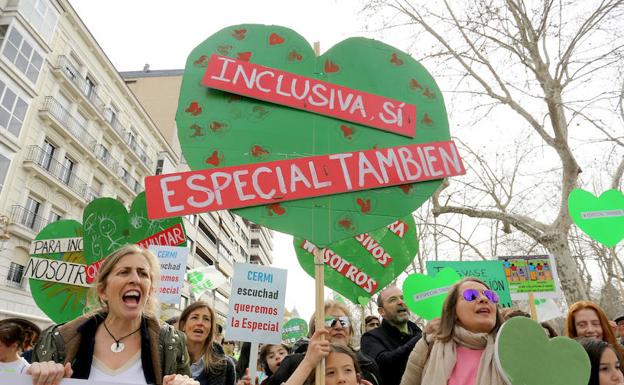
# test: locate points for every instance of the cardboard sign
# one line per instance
(256, 306)
(490, 272)
(270, 84)
(21, 379)
(526, 356)
(172, 270)
(531, 274)
(294, 330)
(425, 295)
(268, 182)
(601, 218)
(360, 266)
(57, 271)
(205, 278)
(220, 129)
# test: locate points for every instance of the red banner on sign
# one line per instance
(271, 182)
(172, 236)
(288, 89)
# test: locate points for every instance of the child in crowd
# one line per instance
(605, 361)
(461, 351)
(271, 357)
(11, 340)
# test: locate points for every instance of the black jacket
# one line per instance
(370, 371)
(390, 349)
(225, 376)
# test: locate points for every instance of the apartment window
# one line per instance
(3, 32)
(16, 273)
(31, 214)
(207, 232)
(160, 163)
(12, 110)
(4, 169)
(96, 186)
(47, 154)
(54, 216)
(132, 141)
(41, 15)
(90, 84)
(21, 53)
(68, 169)
(112, 113)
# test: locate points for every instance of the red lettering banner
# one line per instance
(270, 182)
(292, 90)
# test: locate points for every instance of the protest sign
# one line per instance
(204, 278)
(256, 306)
(425, 295)
(490, 272)
(172, 270)
(360, 266)
(601, 218)
(347, 141)
(531, 274)
(66, 255)
(294, 330)
(525, 355)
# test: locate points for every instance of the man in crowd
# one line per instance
(370, 322)
(392, 342)
(619, 321)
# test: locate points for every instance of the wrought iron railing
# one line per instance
(27, 218)
(56, 169)
(55, 109)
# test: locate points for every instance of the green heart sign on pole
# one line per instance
(218, 130)
(360, 266)
(65, 255)
(526, 356)
(601, 218)
(425, 295)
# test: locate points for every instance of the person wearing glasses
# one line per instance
(391, 343)
(339, 331)
(462, 349)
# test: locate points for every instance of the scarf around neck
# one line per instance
(443, 355)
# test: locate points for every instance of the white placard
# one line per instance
(53, 270)
(22, 379)
(172, 261)
(256, 308)
(62, 245)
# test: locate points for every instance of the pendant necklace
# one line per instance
(118, 346)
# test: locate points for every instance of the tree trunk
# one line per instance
(572, 284)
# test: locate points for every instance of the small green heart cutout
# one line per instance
(425, 295)
(601, 218)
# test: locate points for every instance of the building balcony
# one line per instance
(26, 223)
(126, 137)
(79, 86)
(56, 172)
(91, 194)
(53, 112)
(107, 159)
(132, 183)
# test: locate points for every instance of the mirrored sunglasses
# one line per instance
(472, 294)
(330, 322)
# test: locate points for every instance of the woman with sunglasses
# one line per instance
(339, 331)
(461, 352)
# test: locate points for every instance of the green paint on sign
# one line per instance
(525, 355)
(294, 330)
(601, 218)
(219, 129)
(490, 272)
(360, 266)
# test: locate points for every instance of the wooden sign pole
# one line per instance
(532, 307)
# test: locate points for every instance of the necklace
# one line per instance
(118, 346)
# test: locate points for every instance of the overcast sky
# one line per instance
(163, 33)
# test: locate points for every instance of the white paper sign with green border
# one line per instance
(601, 218)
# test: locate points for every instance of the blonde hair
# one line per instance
(213, 360)
(334, 305)
(96, 304)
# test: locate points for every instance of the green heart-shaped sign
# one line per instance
(219, 129)
(360, 266)
(108, 226)
(601, 218)
(526, 356)
(425, 295)
(59, 301)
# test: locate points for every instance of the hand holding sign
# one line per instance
(526, 356)
(601, 218)
(425, 295)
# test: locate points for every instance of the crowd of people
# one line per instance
(121, 341)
